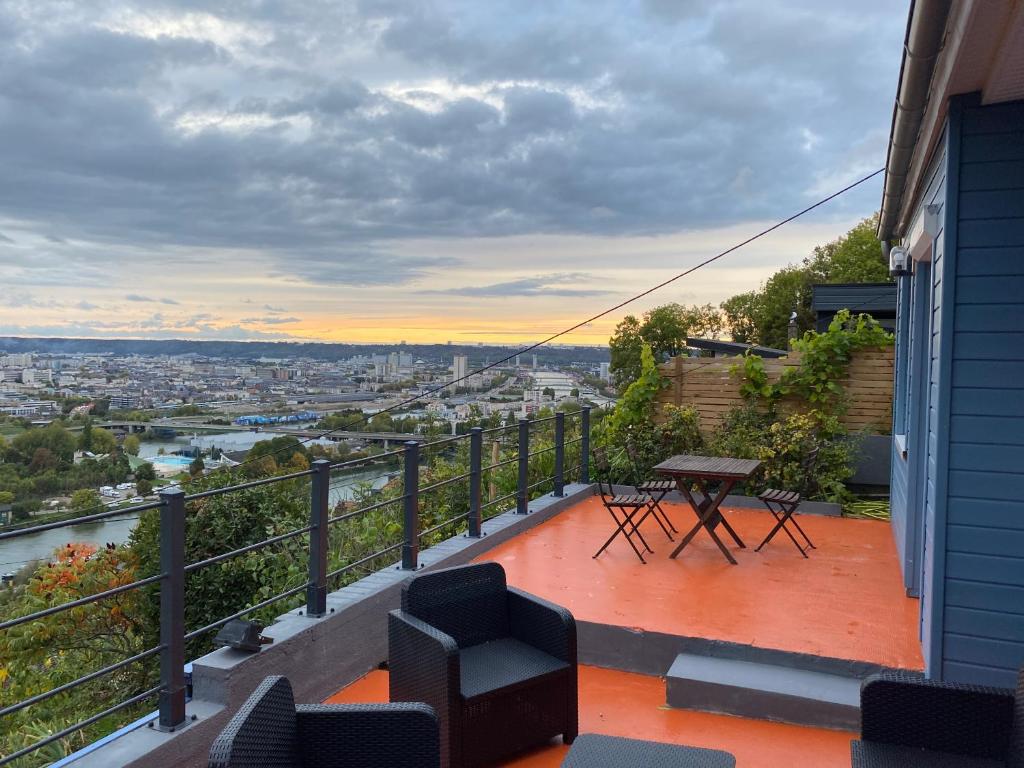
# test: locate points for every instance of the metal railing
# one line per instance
(173, 568)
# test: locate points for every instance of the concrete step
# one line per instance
(764, 691)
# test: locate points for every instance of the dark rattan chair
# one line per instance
(915, 723)
(498, 665)
(269, 731)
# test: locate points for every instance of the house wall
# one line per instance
(983, 573)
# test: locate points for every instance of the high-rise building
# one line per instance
(460, 367)
(606, 372)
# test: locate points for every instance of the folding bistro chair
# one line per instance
(787, 502)
(628, 506)
(656, 489)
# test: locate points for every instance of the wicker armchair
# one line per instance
(269, 731)
(496, 664)
(907, 721)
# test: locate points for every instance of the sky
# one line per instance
(421, 170)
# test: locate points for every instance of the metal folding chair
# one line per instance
(656, 489)
(628, 506)
(785, 504)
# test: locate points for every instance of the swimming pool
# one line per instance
(171, 461)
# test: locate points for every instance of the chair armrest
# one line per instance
(945, 717)
(543, 625)
(403, 735)
(423, 665)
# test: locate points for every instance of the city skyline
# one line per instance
(438, 171)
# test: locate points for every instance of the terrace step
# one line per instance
(764, 691)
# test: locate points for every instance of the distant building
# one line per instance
(605, 372)
(460, 367)
(123, 402)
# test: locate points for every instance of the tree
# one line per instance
(197, 466)
(665, 329)
(144, 487)
(145, 471)
(103, 442)
(85, 439)
(548, 392)
(282, 447)
(762, 316)
(131, 445)
(85, 501)
(853, 258)
(739, 316)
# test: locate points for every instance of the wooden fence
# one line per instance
(707, 385)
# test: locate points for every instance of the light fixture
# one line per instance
(899, 259)
(242, 636)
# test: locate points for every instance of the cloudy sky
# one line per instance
(426, 170)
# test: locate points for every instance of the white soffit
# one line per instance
(1006, 78)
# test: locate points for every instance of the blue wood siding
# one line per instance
(983, 602)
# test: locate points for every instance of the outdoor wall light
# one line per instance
(242, 636)
(899, 260)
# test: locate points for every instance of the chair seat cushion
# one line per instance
(657, 486)
(591, 750)
(502, 663)
(628, 500)
(868, 754)
(785, 497)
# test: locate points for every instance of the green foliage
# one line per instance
(43, 654)
(144, 487)
(145, 471)
(824, 360)
(853, 258)
(762, 316)
(197, 466)
(755, 378)
(637, 403)
(132, 445)
(664, 329)
(783, 445)
(85, 501)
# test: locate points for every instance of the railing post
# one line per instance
(522, 495)
(476, 449)
(411, 523)
(585, 445)
(559, 489)
(172, 609)
(319, 503)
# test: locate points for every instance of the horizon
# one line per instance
(435, 171)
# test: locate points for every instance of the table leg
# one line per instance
(706, 509)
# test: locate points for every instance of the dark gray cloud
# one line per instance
(560, 284)
(317, 134)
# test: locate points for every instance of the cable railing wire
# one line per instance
(80, 725)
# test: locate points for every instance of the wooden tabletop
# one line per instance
(708, 466)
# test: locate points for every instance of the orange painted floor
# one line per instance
(625, 704)
(845, 601)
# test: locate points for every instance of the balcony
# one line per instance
(659, 643)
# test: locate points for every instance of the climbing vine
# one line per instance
(824, 361)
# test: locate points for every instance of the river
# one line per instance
(15, 553)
